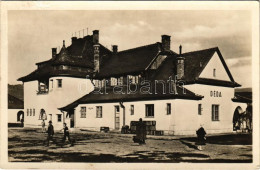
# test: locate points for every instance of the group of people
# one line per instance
(139, 138)
(50, 132)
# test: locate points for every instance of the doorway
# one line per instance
(20, 116)
(72, 119)
(117, 117)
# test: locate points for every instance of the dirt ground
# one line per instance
(28, 145)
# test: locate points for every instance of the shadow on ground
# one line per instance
(236, 139)
(30, 148)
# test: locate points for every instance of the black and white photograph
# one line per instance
(131, 86)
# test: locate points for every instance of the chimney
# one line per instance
(95, 36)
(54, 52)
(73, 39)
(180, 65)
(114, 48)
(96, 58)
(159, 46)
(63, 43)
(166, 42)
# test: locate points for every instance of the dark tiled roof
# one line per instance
(194, 64)
(243, 95)
(48, 71)
(129, 61)
(78, 54)
(14, 103)
(111, 96)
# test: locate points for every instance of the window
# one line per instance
(27, 112)
(51, 83)
(33, 112)
(59, 83)
(120, 81)
(215, 112)
(59, 117)
(117, 108)
(149, 110)
(132, 109)
(99, 111)
(169, 111)
(133, 79)
(130, 79)
(83, 112)
(200, 109)
(113, 81)
(42, 115)
(30, 112)
(214, 72)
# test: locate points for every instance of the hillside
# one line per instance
(16, 91)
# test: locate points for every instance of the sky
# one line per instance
(32, 34)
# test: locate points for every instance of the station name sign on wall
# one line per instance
(215, 94)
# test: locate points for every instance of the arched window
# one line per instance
(42, 115)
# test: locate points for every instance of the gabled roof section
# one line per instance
(194, 64)
(130, 61)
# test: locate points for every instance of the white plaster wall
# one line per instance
(12, 115)
(226, 109)
(215, 63)
(186, 116)
(72, 89)
(163, 121)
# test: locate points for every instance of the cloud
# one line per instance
(32, 34)
(240, 68)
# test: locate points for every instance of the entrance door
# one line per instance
(117, 117)
(72, 119)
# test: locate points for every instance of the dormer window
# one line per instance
(43, 86)
(214, 72)
(113, 81)
(133, 79)
(158, 62)
(120, 81)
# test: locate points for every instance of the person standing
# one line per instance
(141, 132)
(201, 134)
(66, 134)
(50, 132)
(22, 122)
(43, 126)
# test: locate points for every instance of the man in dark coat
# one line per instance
(140, 132)
(201, 134)
(50, 132)
(66, 133)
